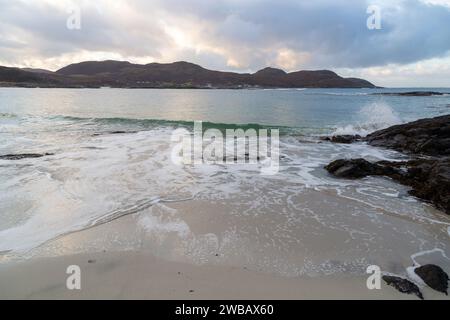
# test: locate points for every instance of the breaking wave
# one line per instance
(371, 118)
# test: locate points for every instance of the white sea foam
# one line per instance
(414, 277)
(370, 118)
(428, 252)
(411, 270)
(280, 223)
(158, 225)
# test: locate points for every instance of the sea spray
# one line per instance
(372, 117)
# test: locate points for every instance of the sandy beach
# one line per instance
(104, 194)
(120, 260)
(133, 275)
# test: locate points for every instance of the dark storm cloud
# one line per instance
(334, 32)
(327, 34)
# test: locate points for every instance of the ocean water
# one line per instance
(111, 158)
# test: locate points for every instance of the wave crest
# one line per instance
(373, 117)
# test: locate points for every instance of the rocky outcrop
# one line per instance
(428, 175)
(429, 137)
(428, 178)
(430, 181)
(423, 137)
(434, 277)
(358, 168)
(411, 93)
(403, 285)
(345, 138)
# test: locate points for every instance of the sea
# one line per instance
(110, 158)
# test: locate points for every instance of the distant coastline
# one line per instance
(177, 75)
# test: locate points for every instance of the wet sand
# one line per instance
(133, 275)
(118, 261)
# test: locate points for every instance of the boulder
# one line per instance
(358, 168)
(345, 138)
(403, 285)
(434, 277)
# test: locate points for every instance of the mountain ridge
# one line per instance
(179, 74)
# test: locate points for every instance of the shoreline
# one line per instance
(182, 88)
(191, 250)
(114, 270)
(135, 275)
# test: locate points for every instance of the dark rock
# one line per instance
(114, 132)
(403, 285)
(346, 138)
(24, 156)
(426, 136)
(410, 93)
(434, 277)
(358, 168)
(428, 178)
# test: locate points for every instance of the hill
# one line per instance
(123, 74)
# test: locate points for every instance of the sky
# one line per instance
(408, 46)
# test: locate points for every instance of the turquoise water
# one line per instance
(111, 157)
(314, 109)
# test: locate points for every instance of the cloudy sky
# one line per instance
(412, 48)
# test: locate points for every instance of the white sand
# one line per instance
(133, 275)
(117, 261)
